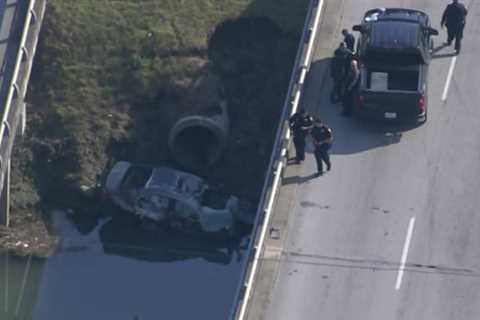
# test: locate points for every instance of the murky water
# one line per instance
(118, 272)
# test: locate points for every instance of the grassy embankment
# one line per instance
(109, 76)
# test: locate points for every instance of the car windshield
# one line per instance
(389, 41)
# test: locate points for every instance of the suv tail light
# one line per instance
(421, 103)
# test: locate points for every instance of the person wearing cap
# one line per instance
(300, 123)
(322, 138)
(454, 17)
(349, 40)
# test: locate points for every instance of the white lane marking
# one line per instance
(449, 78)
(406, 246)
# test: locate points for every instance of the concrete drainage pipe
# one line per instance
(197, 141)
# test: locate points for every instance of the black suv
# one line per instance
(394, 49)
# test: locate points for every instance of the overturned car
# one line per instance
(180, 200)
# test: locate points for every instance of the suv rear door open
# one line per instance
(392, 92)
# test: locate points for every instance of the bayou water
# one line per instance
(115, 271)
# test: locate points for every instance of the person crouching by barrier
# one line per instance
(300, 123)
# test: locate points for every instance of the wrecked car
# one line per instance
(177, 199)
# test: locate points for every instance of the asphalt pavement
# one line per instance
(393, 231)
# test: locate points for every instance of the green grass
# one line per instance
(108, 71)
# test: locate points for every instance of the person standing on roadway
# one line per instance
(351, 86)
(300, 123)
(454, 18)
(322, 140)
(339, 67)
(349, 40)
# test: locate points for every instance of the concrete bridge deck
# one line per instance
(392, 231)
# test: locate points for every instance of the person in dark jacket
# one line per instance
(351, 86)
(300, 123)
(322, 140)
(454, 18)
(349, 40)
(339, 67)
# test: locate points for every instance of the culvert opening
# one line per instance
(196, 146)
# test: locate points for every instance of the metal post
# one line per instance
(5, 198)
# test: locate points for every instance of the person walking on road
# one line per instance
(349, 40)
(454, 17)
(322, 140)
(300, 123)
(351, 86)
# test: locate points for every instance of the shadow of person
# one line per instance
(297, 179)
(291, 160)
(444, 55)
(440, 47)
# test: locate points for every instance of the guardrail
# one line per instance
(277, 160)
(17, 90)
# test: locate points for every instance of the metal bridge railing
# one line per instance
(17, 87)
(277, 160)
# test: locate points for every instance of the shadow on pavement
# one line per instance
(440, 47)
(297, 179)
(444, 55)
(351, 134)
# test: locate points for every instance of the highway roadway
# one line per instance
(393, 231)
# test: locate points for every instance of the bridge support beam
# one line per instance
(5, 198)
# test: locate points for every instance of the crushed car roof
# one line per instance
(174, 181)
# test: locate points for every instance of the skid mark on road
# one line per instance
(316, 260)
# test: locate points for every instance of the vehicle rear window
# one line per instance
(136, 177)
(382, 80)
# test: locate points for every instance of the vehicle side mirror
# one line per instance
(358, 28)
(432, 31)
